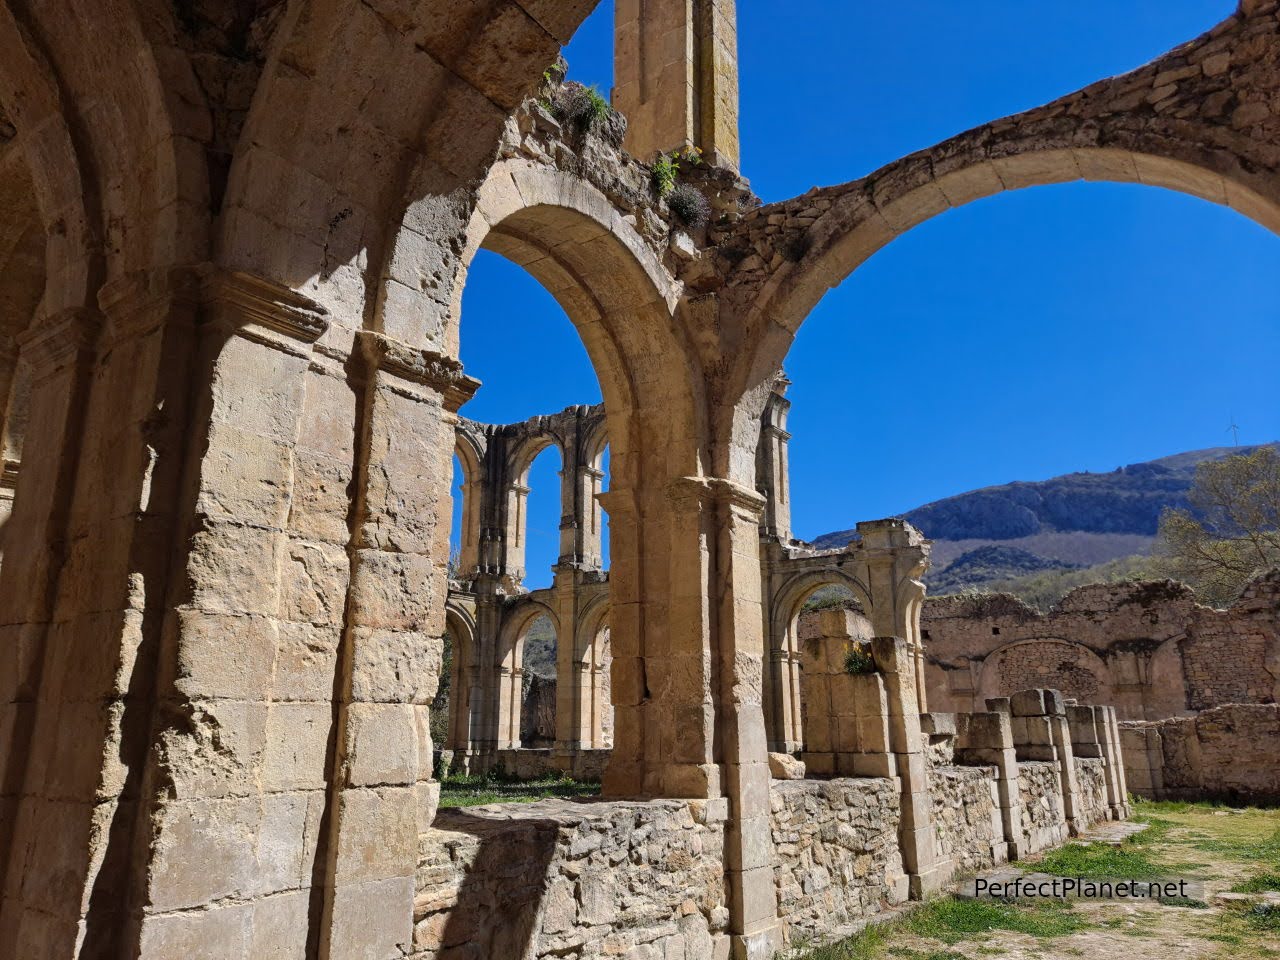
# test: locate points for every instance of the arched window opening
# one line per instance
(1102, 303)
(539, 532)
(538, 685)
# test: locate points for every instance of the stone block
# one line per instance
(377, 837)
(783, 766)
(373, 920)
(382, 744)
(395, 666)
(938, 724)
(297, 746)
(1028, 703)
(280, 927)
(218, 933)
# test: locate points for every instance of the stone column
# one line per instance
(381, 794)
(676, 77)
(773, 478)
(896, 663)
(987, 739)
(1091, 738)
(739, 642)
(32, 914)
(1117, 781)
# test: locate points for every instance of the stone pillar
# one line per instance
(381, 794)
(676, 77)
(1117, 781)
(896, 662)
(1040, 732)
(773, 477)
(897, 555)
(38, 915)
(573, 668)
(846, 730)
(1091, 737)
(987, 739)
(739, 644)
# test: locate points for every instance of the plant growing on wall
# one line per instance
(584, 107)
(689, 204)
(858, 659)
(666, 168)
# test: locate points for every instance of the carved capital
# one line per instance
(55, 343)
(745, 502)
(264, 311)
(419, 366)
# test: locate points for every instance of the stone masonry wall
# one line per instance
(1148, 648)
(1043, 821)
(1230, 752)
(966, 815)
(570, 879)
(1091, 777)
(836, 852)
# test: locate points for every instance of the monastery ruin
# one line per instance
(235, 244)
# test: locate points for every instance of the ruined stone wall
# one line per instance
(1040, 790)
(836, 856)
(572, 879)
(1148, 648)
(966, 815)
(1091, 777)
(1230, 752)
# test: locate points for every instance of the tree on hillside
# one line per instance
(1232, 530)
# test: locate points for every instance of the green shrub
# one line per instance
(664, 172)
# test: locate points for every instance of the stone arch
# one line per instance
(592, 655)
(470, 456)
(594, 449)
(510, 665)
(783, 699)
(372, 122)
(612, 285)
(1039, 662)
(1166, 682)
(517, 494)
(1193, 121)
(464, 717)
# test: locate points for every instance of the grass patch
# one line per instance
(950, 921)
(1262, 883)
(468, 791)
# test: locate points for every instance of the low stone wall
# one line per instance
(528, 763)
(1230, 753)
(1043, 821)
(966, 816)
(1091, 778)
(562, 878)
(837, 860)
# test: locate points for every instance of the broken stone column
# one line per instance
(1091, 737)
(1040, 732)
(1117, 786)
(987, 739)
(677, 77)
(846, 716)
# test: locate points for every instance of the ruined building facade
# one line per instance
(234, 251)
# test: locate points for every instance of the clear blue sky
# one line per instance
(1073, 327)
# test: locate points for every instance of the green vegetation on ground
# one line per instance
(1182, 839)
(473, 791)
